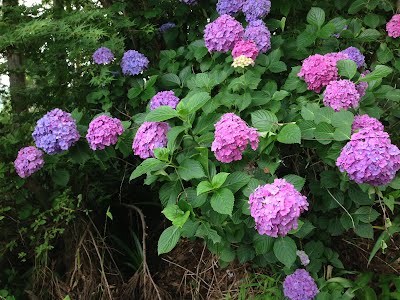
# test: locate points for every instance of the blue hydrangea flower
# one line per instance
(167, 26)
(189, 2)
(258, 32)
(300, 286)
(103, 56)
(133, 62)
(355, 55)
(256, 9)
(229, 7)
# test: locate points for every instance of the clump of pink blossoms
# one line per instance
(341, 94)
(150, 135)
(393, 26)
(364, 122)
(28, 161)
(246, 48)
(103, 131)
(165, 98)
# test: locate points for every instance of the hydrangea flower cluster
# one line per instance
(133, 62)
(28, 161)
(242, 62)
(189, 2)
(276, 208)
(164, 98)
(300, 286)
(229, 7)
(304, 259)
(370, 157)
(103, 131)
(355, 55)
(55, 132)
(231, 138)
(150, 135)
(364, 122)
(256, 9)
(103, 56)
(222, 34)
(258, 32)
(393, 26)
(167, 26)
(341, 94)
(362, 86)
(246, 48)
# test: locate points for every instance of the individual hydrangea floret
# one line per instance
(304, 259)
(246, 48)
(300, 286)
(167, 98)
(150, 135)
(189, 2)
(242, 62)
(256, 9)
(393, 26)
(103, 56)
(364, 122)
(362, 86)
(28, 161)
(258, 32)
(229, 7)
(232, 135)
(222, 34)
(355, 55)
(276, 208)
(104, 131)
(337, 35)
(370, 157)
(167, 26)
(133, 62)
(55, 132)
(341, 94)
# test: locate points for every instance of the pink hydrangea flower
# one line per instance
(165, 98)
(150, 135)
(364, 122)
(276, 208)
(393, 26)
(28, 161)
(362, 86)
(103, 131)
(232, 135)
(246, 48)
(341, 94)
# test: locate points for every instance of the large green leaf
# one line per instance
(168, 239)
(236, 181)
(190, 169)
(380, 71)
(263, 243)
(290, 134)
(205, 231)
(285, 251)
(316, 16)
(219, 179)
(347, 68)
(149, 165)
(264, 120)
(161, 113)
(222, 201)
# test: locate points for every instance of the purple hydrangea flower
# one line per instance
(104, 131)
(103, 56)
(222, 34)
(304, 259)
(337, 35)
(276, 208)
(341, 94)
(355, 55)
(256, 9)
(28, 161)
(300, 286)
(362, 86)
(164, 98)
(246, 48)
(370, 157)
(232, 135)
(229, 7)
(393, 26)
(364, 122)
(133, 62)
(258, 32)
(189, 2)
(55, 132)
(150, 135)
(167, 26)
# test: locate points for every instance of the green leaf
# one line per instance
(197, 101)
(263, 243)
(365, 231)
(277, 67)
(222, 201)
(236, 181)
(219, 179)
(205, 231)
(172, 135)
(343, 119)
(168, 239)
(380, 71)
(358, 196)
(176, 215)
(149, 165)
(307, 129)
(204, 187)
(369, 35)
(324, 133)
(109, 214)
(297, 181)
(170, 80)
(366, 214)
(285, 251)
(279, 95)
(134, 92)
(308, 112)
(371, 20)
(347, 68)
(161, 113)
(324, 114)
(190, 169)
(245, 253)
(316, 16)
(290, 134)
(356, 6)
(264, 120)
(61, 177)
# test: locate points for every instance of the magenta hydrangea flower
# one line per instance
(150, 135)
(355, 55)
(232, 135)
(103, 56)
(229, 7)
(362, 86)
(133, 62)
(189, 2)
(370, 157)
(55, 132)
(300, 286)
(341, 94)
(246, 48)
(222, 34)
(104, 131)
(364, 122)
(393, 26)
(28, 161)
(256, 9)
(258, 32)
(276, 208)
(164, 98)
(304, 259)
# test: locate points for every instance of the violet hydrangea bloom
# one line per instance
(300, 286)
(364, 122)
(28, 161)
(393, 26)
(167, 26)
(103, 56)
(232, 135)
(55, 132)
(229, 7)
(246, 48)
(133, 62)
(167, 98)
(341, 94)
(189, 2)
(256, 9)
(222, 34)
(370, 157)
(258, 32)
(103, 131)
(304, 259)
(355, 55)
(362, 86)
(276, 208)
(150, 135)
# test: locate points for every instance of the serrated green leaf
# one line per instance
(380, 71)
(205, 231)
(170, 80)
(290, 134)
(219, 179)
(190, 169)
(61, 177)
(369, 35)
(347, 68)
(222, 201)
(324, 133)
(161, 113)
(365, 231)
(264, 120)
(204, 187)
(316, 16)
(308, 112)
(263, 243)
(149, 165)
(324, 114)
(297, 181)
(236, 181)
(285, 251)
(168, 239)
